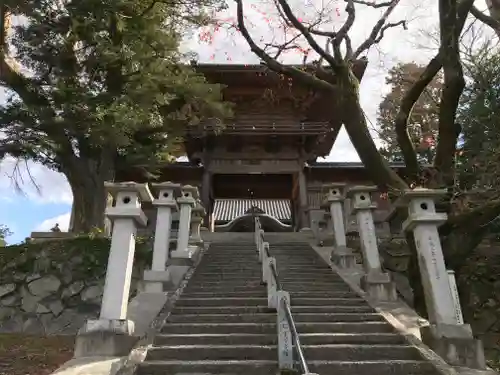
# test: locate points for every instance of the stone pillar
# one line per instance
(341, 256)
(205, 195)
(376, 283)
(197, 216)
(445, 335)
(108, 224)
(112, 333)
(158, 278)
(186, 202)
(303, 206)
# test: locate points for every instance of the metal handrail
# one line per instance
(295, 335)
(285, 304)
(274, 272)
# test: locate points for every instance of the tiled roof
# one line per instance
(229, 209)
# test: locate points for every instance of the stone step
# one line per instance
(207, 367)
(256, 272)
(225, 276)
(334, 283)
(231, 272)
(332, 352)
(225, 279)
(245, 284)
(255, 293)
(262, 367)
(310, 278)
(302, 327)
(250, 250)
(265, 309)
(241, 287)
(213, 266)
(270, 317)
(255, 301)
(219, 253)
(242, 260)
(209, 268)
(221, 287)
(272, 339)
(263, 293)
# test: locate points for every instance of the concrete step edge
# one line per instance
(248, 324)
(260, 299)
(263, 335)
(295, 308)
(274, 347)
(252, 362)
(271, 313)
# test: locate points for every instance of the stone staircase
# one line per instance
(221, 323)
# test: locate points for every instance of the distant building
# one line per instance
(266, 156)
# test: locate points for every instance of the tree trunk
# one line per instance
(494, 9)
(89, 203)
(355, 123)
(86, 178)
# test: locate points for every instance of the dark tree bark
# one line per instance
(86, 177)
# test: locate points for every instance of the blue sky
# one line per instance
(40, 210)
(32, 208)
(23, 215)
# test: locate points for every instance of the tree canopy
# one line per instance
(333, 73)
(479, 114)
(98, 84)
(424, 118)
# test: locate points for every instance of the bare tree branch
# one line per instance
(378, 30)
(373, 4)
(487, 20)
(344, 30)
(306, 33)
(301, 76)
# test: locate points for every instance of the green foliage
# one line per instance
(105, 80)
(4, 232)
(479, 115)
(87, 256)
(423, 122)
(103, 88)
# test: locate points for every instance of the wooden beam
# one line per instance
(295, 188)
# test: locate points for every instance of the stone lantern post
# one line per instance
(186, 202)
(112, 333)
(446, 334)
(159, 277)
(341, 256)
(377, 283)
(197, 217)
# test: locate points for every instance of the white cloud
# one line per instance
(52, 186)
(62, 220)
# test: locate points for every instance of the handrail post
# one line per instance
(271, 283)
(263, 251)
(285, 339)
(256, 231)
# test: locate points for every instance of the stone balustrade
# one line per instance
(446, 334)
(112, 334)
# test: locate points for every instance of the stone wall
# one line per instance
(53, 287)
